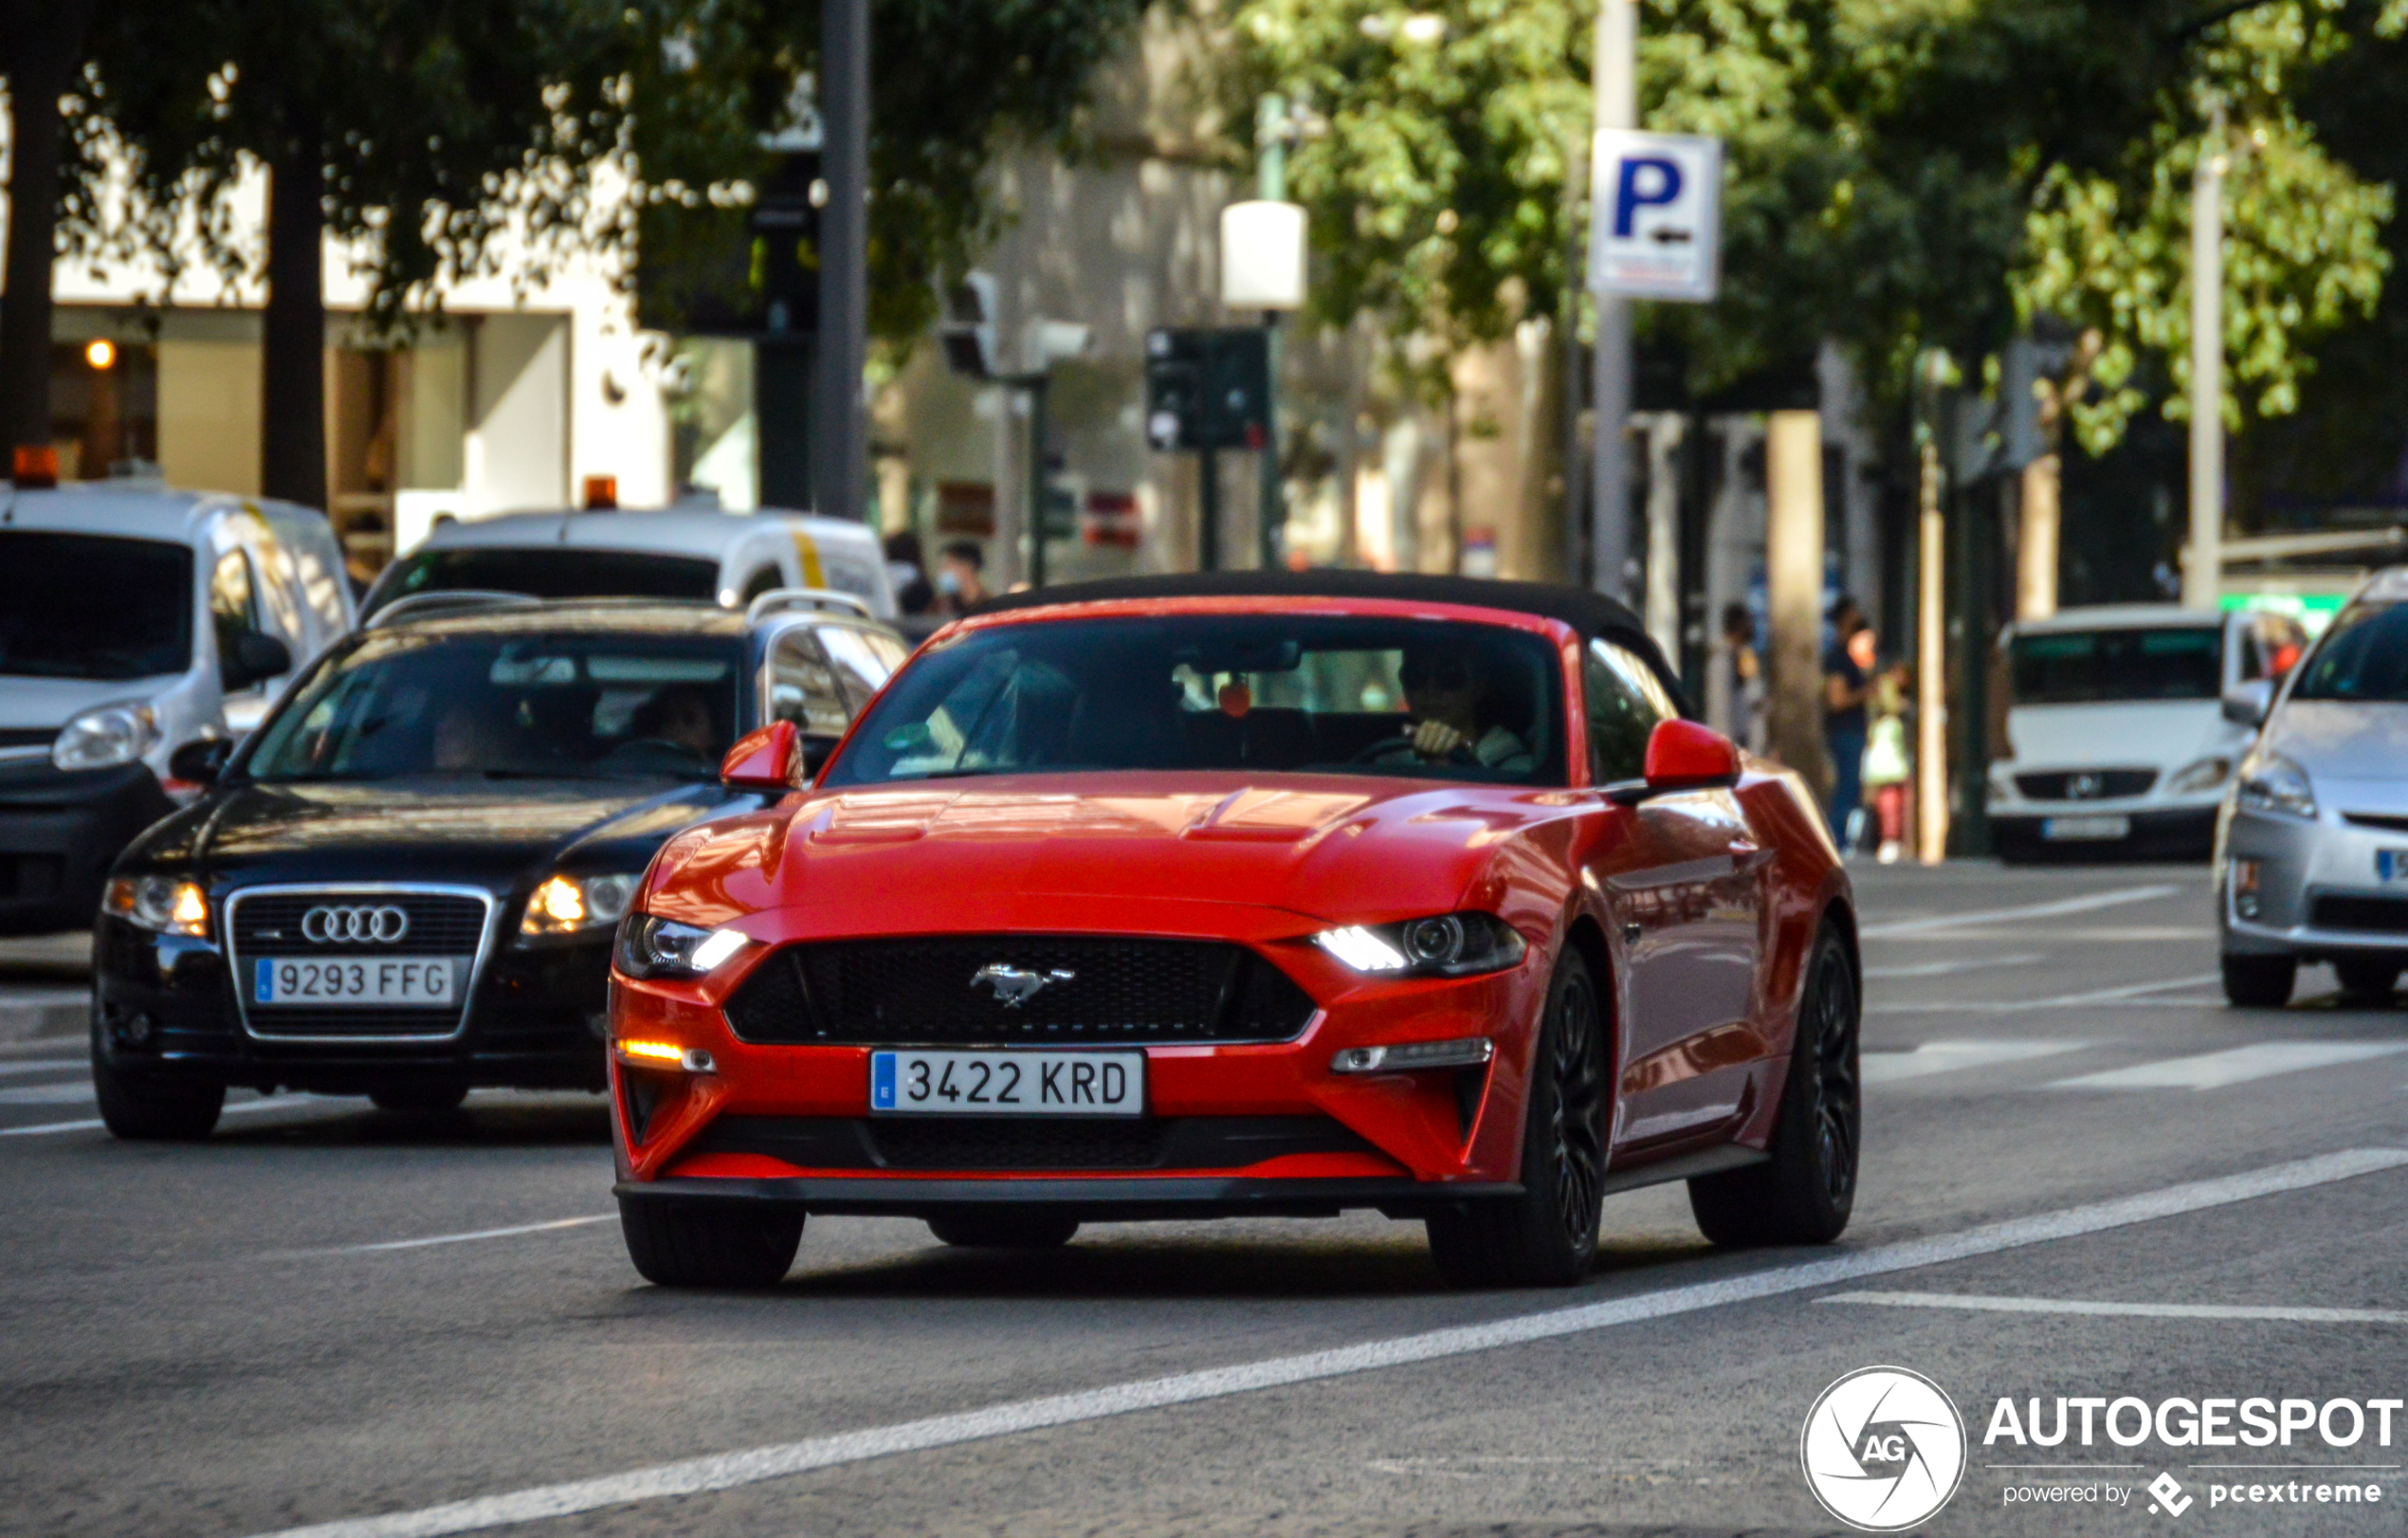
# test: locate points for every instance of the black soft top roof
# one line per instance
(1592, 614)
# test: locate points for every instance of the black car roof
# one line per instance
(1592, 614)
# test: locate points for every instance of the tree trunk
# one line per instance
(1794, 583)
(42, 44)
(292, 450)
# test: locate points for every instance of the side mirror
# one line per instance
(768, 758)
(253, 657)
(200, 761)
(1684, 756)
(2246, 705)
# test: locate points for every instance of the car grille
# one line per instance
(2374, 915)
(2057, 784)
(270, 924)
(892, 992)
(1003, 1144)
(2389, 821)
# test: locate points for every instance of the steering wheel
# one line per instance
(1460, 753)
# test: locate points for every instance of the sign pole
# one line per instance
(839, 458)
(1616, 106)
(1208, 511)
(2204, 571)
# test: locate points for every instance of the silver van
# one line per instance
(134, 619)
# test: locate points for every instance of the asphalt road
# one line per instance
(327, 1315)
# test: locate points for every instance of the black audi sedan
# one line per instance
(403, 884)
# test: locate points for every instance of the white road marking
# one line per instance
(2137, 1311)
(46, 1065)
(1943, 969)
(77, 1094)
(240, 1108)
(464, 1238)
(2238, 1065)
(726, 1471)
(2127, 996)
(1949, 1057)
(2085, 903)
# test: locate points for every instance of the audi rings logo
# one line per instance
(331, 926)
(1883, 1449)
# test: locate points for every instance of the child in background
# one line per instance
(1889, 767)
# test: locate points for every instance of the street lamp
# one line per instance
(1262, 268)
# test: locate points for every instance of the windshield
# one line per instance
(2092, 667)
(2364, 656)
(52, 621)
(549, 572)
(510, 707)
(1288, 694)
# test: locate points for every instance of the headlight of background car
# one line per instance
(158, 902)
(652, 948)
(1448, 945)
(2271, 782)
(106, 737)
(565, 904)
(2203, 776)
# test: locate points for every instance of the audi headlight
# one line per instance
(2271, 782)
(160, 903)
(1447, 945)
(105, 737)
(655, 948)
(2203, 776)
(565, 904)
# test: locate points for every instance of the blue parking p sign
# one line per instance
(1657, 228)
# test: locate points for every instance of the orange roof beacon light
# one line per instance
(100, 352)
(601, 493)
(35, 466)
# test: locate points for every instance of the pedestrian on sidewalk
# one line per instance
(1847, 685)
(1735, 682)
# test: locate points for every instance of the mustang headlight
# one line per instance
(2203, 776)
(2271, 782)
(106, 737)
(160, 903)
(564, 905)
(1446, 945)
(654, 948)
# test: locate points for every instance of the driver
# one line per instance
(1448, 693)
(681, 715)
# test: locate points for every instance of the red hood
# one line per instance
(990, 853)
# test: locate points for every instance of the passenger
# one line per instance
(467, 737)
(1451, 699)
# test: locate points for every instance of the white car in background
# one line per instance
(135, 620)
(2117, 740)
(691, 552)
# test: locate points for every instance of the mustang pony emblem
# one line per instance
(1016, 985)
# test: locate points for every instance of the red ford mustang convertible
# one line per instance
(1249, 894)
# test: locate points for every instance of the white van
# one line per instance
(2117, 741)
(134, 619)
(729, 559)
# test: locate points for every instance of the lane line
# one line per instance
(290, 1103)
(75, 1093)
(2134, 1311)
(1943, 969)
(2087, 904)
(1950, 1056)
(44, 1065)
(2236, 1065)
(2131, 996)
(455, 1238)
(728, 1471)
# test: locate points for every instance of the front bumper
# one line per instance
(2318, 897)
(60, 832)
(1101, 1199)
(163, 1008)
(2158, 832)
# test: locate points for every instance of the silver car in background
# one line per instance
(2312, 842)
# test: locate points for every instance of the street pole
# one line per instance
(1208, 511)
(839, 459)
(1931, 635)
(1793, 594)
(1615, 84)
(1035, 384)
(1271, 142)
(2203, 563)
(1575, 529)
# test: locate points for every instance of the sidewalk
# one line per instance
(46, 989)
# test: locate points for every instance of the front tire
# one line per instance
(2367, 980)
(2259, 981)
(141, 1113)
(710, 1244)
(1804, 1193)
(1005, 1229)
(1547, 1237)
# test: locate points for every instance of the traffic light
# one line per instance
(785, 228)
(969, 329)
(1206, 390)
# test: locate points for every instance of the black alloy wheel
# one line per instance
(1804, 1192)
(1546, 1236)
(2367, 980)
(2259, 981)
(149, 1111)
(715, 1244)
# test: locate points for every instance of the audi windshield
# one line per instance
(509, 706)
(1283, 693)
